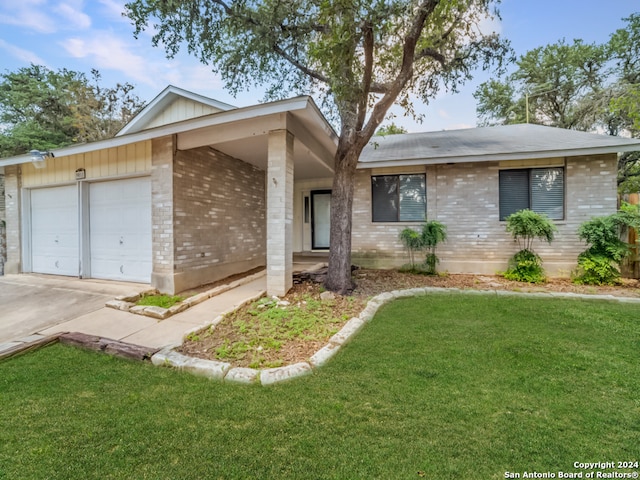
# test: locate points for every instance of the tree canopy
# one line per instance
(550, 81)
(390, 129)
(580, 86)
(358, 57)
(44, 109)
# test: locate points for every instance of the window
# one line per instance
(538, 189)
(398, 198)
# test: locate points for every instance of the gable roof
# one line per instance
(315, 130)
(164, 100)
(507, 142)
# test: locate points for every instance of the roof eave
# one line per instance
(499, 157)
(245, 113)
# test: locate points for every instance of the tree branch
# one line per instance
(277, 48)
(306, 70)
(425, 9)
(368, 45)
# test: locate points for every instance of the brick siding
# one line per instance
(218, 210)
(465, 198)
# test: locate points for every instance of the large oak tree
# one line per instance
(359, 57)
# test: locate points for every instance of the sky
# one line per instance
(81, 35)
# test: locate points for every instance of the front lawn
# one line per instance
(448, 386)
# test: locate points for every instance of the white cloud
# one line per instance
(28, 14)
(490, 25)
(105, 50)
(442, 113)
(72, 12)
(198, 78)
(114, 9)
(21, 54)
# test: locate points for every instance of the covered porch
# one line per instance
(291, 145)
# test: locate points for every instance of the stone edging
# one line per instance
(127, 303)
(225, 372)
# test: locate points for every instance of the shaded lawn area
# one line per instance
(448, 386)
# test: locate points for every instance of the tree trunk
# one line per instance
(339, 273)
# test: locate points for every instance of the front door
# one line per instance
(320, 219)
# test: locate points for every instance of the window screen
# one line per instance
(538, 189)
(398, 198)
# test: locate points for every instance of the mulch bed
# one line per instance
(368, 284)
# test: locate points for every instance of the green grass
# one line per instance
(164, 301)
(265, 326)
(455, 386)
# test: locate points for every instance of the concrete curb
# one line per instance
(220, 371)
(26, 344)
(127, 303)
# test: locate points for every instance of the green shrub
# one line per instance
(432, 234)
(596, 270)
(525, 226)
(600, 263)
(412, 241)
(525, 266)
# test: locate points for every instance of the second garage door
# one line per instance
(120, 229)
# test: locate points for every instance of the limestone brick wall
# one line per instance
(12, 218)
(465, 198)
(218, 216)
(3, 241)
(162, 212)
(280, 212)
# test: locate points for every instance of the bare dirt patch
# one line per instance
(303, 323)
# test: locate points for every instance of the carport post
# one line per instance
(279, 212)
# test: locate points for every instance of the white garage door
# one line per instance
(120, 229)
(54, 230)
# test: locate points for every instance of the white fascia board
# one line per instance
(274, 108)
(499, 157)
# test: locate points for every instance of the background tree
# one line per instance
(390, 129)
(44, 109)
(358, 56)
(577, 86)
(554, 78)
(624, 48)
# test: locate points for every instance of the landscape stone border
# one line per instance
(127, 303)
(224, 371)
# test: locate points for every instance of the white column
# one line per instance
(279, 212)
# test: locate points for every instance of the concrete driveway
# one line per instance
(30, 303)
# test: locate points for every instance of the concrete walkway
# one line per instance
(148, 332)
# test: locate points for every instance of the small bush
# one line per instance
(596, 269)
(600, 263)
(432, 234)
(525, 266)
(525, 226)
(412, 241)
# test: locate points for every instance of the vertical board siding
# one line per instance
(181, 109)
(118, 161)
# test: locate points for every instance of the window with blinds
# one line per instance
(398, 198)
(538, 189)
